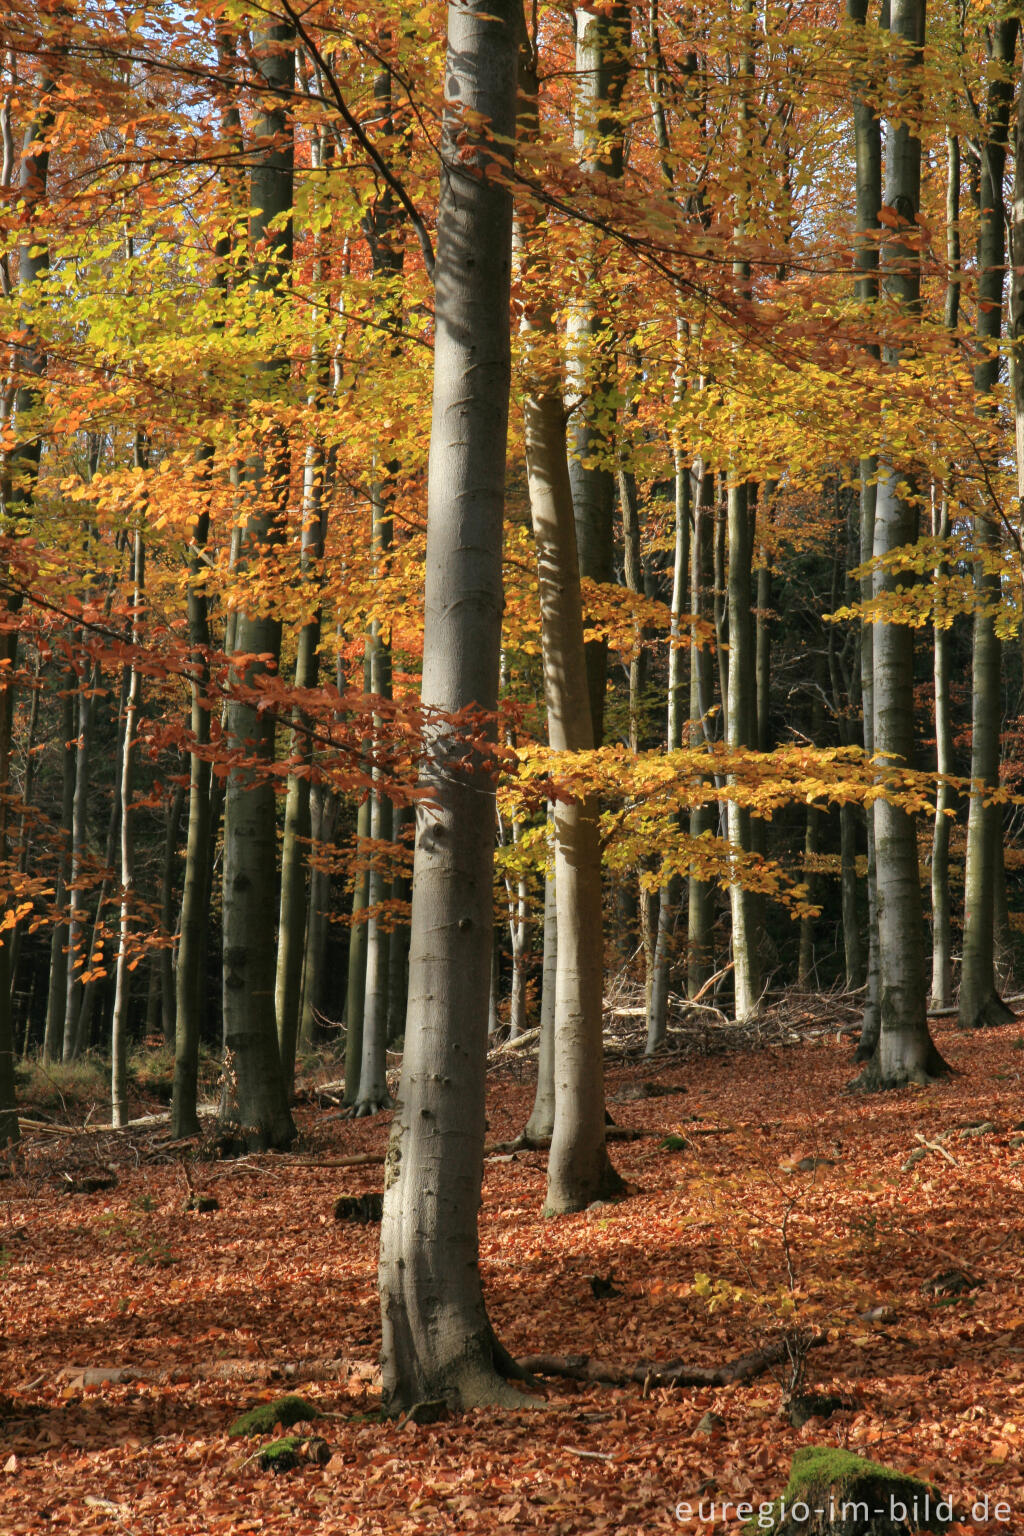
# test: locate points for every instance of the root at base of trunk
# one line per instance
(988, 1015)
(363, 1108)
(935, 1069)
(482, 1380)
(566, 1202)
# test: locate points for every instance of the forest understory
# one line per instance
(135, 1331)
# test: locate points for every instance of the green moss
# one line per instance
(283, 1410)
(281, 1455)
(848, 1495)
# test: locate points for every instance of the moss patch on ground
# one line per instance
(285, 1411)
(832, 1492)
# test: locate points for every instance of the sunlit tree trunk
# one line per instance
(980, 1003)
(740, 726)
(437, 1340)
(700, 906)
(867, 131)
(133, 706)
(579, 1170)
(905, 1050)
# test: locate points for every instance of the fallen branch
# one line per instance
(935, 1146)
(673, 1373)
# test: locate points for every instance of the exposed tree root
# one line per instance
(671, 1373)
(526, 1143)
(364, 1108)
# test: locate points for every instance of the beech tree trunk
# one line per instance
(122, 988)
(542, 1117)
(868, 149)
(980, 1003)
(700, 904)
(740, 726)
(602, 62)
(579, 1170)
(254, 1111)
(56, 1000)
(905, 1051)
(437, 1340)
(668, 905)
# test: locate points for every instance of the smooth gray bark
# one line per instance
(542, 1117)
(868, 150)
(437, 1340)
(905, 1050)
(122, 985)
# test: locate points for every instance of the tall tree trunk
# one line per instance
(197, 878)
(295, 846)
(980, 1003)
(867, 131)
(602, 63)
(254, 1111)
(942, 926)
(905, 1051)
(700, 905)
(19, 490)
(668, 904)
(579, 1170)
(437, 1341)
(56, 1001)
(133, 706)
(740, 726)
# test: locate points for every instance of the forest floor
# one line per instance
(134, 1331)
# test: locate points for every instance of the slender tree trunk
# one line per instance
(868, 148)
(542, 1117)
(942, 926)
(77, 958)
(980, 1003)
(602, 62)
(254, 1110)
(30, 363)
(56, 1001)
(905, 1050)
(942, 937)
(741, 723)
(197, 878)
(133, 706)
(700, 905)
(295, 846)
(324, 816)
(165, 956)
(668, 905)
(356, 991)
(579, 1170)
(437, 1341)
